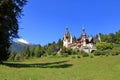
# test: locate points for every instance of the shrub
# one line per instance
(64, 54)
(91, 55)
(107, 52)
(73, 52)
(98, 52)
(54, 53)
(83, 53)
(104, 46)
(104, 52)
(68, 50)
(115, 51)
(78, 56)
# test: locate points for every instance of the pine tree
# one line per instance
(12, 56)
(37, 52)
(27, 52)
(10, 12)
(60, 43)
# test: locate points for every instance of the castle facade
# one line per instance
(83, 43)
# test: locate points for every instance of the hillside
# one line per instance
(18, 46)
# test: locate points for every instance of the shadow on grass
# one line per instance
(59, 64)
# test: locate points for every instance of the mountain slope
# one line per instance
(19, 47)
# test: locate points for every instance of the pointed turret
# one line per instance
(67, 38)
(67, 34)
(83, 31)
(83, 36)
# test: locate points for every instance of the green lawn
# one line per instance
(58, 68)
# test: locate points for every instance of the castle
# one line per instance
(83, 43)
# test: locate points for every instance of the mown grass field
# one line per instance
(59, 68)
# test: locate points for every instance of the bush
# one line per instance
(68, 50)
(83, 53)
(73, 52)
(54, 53)
(91, 55)
(65, 54)
(78, 56)
(98, 52)
(104, 46)
(107, 52)
(115, 51)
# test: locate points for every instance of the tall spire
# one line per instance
(83, 30)
(67, 31)
(99, 38)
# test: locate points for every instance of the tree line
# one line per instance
(109, 45)
(111, 37)
(36, 52)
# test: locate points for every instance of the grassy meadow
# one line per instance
(63, 68)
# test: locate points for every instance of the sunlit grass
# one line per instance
(52, 68)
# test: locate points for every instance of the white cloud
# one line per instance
(23, 41)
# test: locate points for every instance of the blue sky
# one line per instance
(45, 21)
